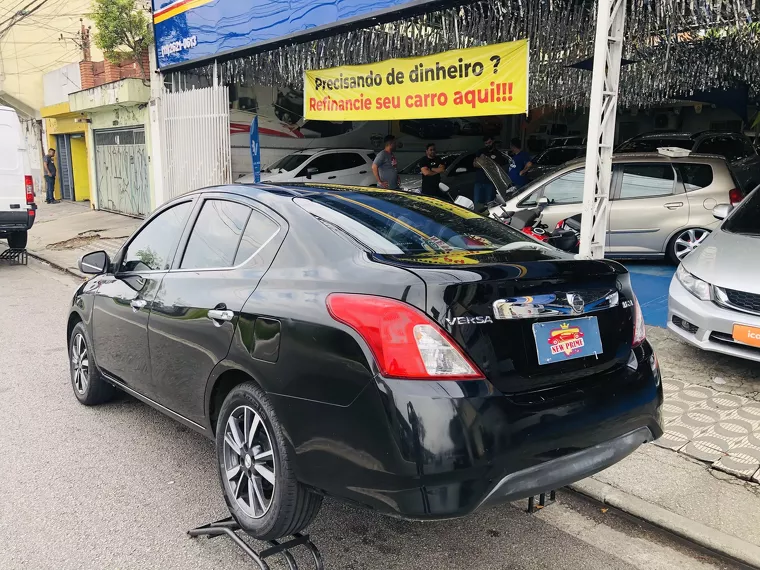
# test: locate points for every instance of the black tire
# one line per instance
(17, 240)
(93, 389)
(292, 506)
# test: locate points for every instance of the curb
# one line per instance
(66, 270)
(693, 531)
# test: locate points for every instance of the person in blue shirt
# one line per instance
(521, 163)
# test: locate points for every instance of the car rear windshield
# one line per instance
(394, 223)
(651, 145)
(746, 219)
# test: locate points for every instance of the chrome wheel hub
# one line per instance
(249, 464)
(688, 241)
(80, 364)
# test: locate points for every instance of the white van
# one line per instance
(17, 207)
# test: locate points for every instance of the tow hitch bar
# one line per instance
(229, 527)
(533, 508)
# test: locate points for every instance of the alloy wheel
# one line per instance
(688, 241)
(80, 363)
(249, 463)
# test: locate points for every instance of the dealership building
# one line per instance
(683, 65)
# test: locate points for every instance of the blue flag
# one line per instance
(256, 150)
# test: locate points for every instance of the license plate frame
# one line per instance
(746, 335)
(560, 341)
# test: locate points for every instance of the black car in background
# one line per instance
(736, 148)
(385, 348)
(552, 158)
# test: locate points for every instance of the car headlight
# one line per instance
(700, 289)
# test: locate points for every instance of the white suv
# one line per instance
(350, 166)
(17, 207)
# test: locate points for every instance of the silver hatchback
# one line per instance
(660, 206)
(714, 300)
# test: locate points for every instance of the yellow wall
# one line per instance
(40, 43)
(81, 171)
(79, 156)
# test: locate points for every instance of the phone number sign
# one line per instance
(192, 30)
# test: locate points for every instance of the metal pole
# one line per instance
(608, 50)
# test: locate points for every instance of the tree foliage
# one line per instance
(123, 30)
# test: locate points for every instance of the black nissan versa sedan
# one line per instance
(388, 349)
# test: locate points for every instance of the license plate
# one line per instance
(747, 335)
(558, 341)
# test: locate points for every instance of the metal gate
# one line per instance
(65, 174)
(195, 139)
(121, 162)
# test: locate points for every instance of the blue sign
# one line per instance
(565, 340)
(189, 30)
(256, 150)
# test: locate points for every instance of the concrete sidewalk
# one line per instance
(66, 231)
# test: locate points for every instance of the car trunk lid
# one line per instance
(561, 303)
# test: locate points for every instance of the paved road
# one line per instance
(116, 487)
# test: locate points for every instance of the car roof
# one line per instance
(654, 135)
(655, 157)
(317, 150)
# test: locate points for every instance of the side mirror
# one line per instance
(444, 187)
(721, 211)
(311, 170)
(465, 202)
(461, 170)
(95, 263)
(543, 201)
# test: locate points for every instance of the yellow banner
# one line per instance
(479, 81)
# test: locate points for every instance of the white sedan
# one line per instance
(350, 166)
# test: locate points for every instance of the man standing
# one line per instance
(50, 172)
(485, 191)
(431, 169)
(385, 166)
(521, 163)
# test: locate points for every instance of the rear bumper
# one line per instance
(437, 450)
(21, 220)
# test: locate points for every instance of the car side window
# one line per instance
(466, 163)
(346, 160)
(259, 230)
(695, 176)
(216, 235)
(647, 181)
(151, 248)
(565, 189)
(324, 164)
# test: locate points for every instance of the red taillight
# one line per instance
(735, 196)
(29, 183)
(404, 341)
(639, 327)
(559, 225)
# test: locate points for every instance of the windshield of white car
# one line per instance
(414, 168)
(746, 219)
(288, 163)
(557, 156)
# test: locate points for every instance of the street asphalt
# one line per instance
(117, 487)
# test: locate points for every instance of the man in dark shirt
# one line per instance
(50, 172)
(431, 168)
(521, 163)
(485, 191)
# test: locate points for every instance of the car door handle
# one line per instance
(138, 304)
(362, 172)
(219, 315)
(331, 177)
(673, 205)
